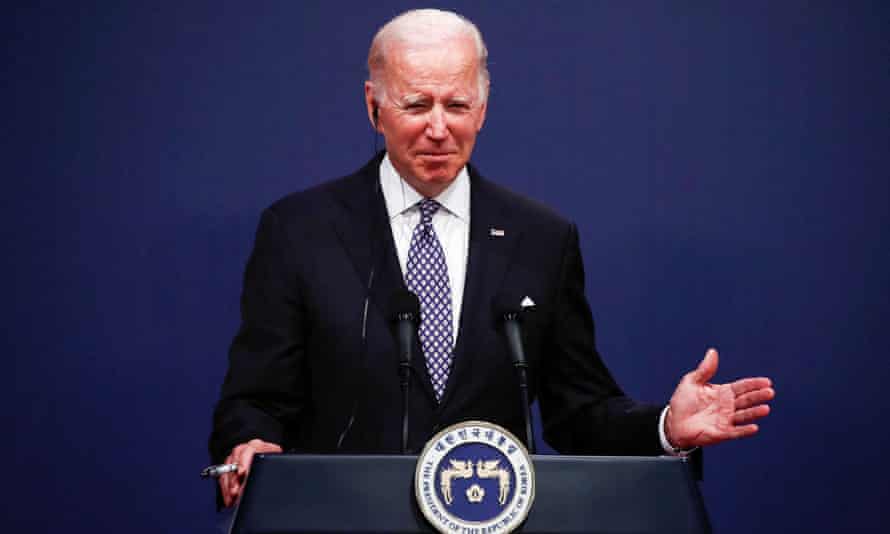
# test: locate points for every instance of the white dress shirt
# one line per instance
(451, 223)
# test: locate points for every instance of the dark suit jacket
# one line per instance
(299, 367)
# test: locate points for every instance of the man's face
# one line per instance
(431, 113)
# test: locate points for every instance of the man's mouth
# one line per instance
(435, 156)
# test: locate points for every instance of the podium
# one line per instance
(289, 493)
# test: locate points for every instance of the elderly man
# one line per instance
(314, 365)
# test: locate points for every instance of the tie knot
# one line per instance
(428, 207)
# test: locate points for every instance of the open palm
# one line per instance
(702, 413)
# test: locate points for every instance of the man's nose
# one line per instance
(437, 127)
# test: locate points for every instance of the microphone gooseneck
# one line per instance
(509, 316)
(405, 313)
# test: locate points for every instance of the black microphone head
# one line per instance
(404, 304)
(507, 306)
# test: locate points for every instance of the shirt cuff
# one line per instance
(665, 444)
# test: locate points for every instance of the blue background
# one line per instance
(726, 163)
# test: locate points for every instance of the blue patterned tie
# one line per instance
(427, 276)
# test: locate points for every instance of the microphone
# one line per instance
(508, 313)
(404, 308)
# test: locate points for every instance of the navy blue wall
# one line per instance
(726, 164)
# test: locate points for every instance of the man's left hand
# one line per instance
(702, 413)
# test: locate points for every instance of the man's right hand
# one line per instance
(231, 484)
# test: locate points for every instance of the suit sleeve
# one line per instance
(262, 396)
(583, 408)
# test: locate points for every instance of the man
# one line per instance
(314, 366)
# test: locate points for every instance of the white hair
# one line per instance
(423, 27)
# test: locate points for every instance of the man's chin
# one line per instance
(443, 172)
(440, 178)
(432, 183)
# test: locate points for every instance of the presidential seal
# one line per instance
(473, 478)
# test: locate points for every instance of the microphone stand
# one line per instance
(514, 341)
(406, 325)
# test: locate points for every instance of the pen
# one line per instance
(215, 471)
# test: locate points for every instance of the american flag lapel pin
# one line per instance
(495, 232)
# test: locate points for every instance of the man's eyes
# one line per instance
(423, 106)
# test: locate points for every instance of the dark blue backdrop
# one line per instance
(726, 164)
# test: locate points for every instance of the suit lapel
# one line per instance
(362, 227)
(494, 236)
(372, 249)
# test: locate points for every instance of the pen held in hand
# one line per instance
(215, 471)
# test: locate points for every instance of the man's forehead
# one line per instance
(454, 56)
(453, 42)
(416, 71)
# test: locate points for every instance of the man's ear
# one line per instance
(373, 106)
(483, 109)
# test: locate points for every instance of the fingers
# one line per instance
(264, 446)
(244, 462)
(744, 385)
(742, 417)
(743, 431)
(235, 479)
(247, 452)
(243, 455)
(224, 482)
(707, 368)
(234, 488)
(753, 398)
(231, 484)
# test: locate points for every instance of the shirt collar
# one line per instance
(400, 196)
